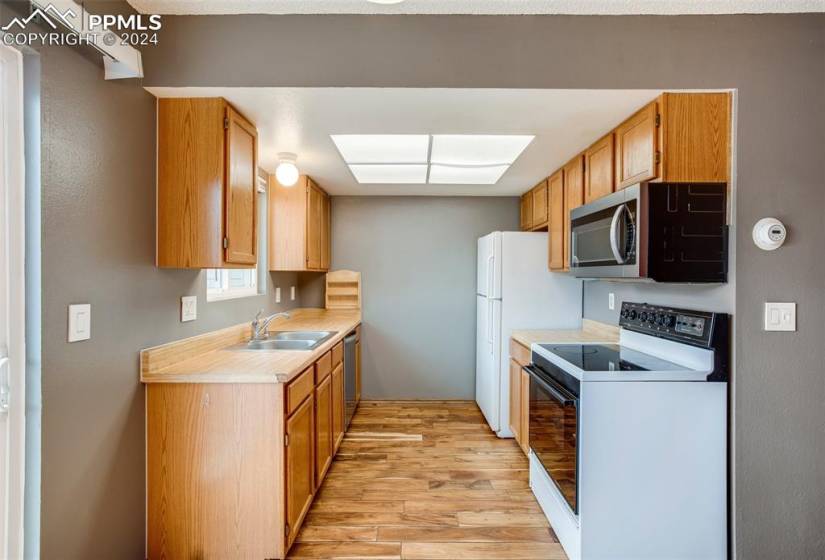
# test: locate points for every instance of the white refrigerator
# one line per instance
(515, 291)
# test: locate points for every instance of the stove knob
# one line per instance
(671, 321)
(643, 316)
(625, 313)
(662, 320)
(633, 314)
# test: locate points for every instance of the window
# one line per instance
(231, 283)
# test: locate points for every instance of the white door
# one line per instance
(488, 312)
(12, 305)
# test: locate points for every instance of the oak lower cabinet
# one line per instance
(299, 226)
(338, 406)
(323, 428)
(358, 371)
(207, 175)
(299, 466)
(233, 468)
(519, 394)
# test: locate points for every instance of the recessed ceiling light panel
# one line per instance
(389, 174)
(457, 175)
(382, 148)
(478, 149)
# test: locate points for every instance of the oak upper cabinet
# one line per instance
(299, 226)
(557, 217)
(598, 169)
(637, 154)
(679, 137)
(299, 466)
(206, 185)
(573, 198)
(540, 209)
(526, 213)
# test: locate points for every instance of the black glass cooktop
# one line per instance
(609, 357)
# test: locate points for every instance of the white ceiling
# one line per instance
(300, 120)
(576, 7)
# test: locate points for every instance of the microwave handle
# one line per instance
(614, 234)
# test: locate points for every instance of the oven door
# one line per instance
(553, 432)
(604, 240)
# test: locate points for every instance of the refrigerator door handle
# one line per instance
(490, 324)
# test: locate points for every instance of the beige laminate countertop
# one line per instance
(591, 331)
(221, 356)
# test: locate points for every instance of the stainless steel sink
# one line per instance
(291, 340)
(301, 335)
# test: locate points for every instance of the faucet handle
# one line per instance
(259, 314)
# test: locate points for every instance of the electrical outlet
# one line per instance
(277, 295)
(611, 301)
(188, 308)
(80, 322)
(780, 316)
(292, 293)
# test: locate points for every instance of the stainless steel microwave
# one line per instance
(664, 232)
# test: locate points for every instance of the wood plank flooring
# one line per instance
(423, 480)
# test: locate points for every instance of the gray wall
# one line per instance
(776, 62)
(93, 434)
(417, 258)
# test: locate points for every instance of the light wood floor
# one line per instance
(426, 480)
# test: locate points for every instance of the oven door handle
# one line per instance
(556, 390)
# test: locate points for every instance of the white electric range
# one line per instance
(628, 442)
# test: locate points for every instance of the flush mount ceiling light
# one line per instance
(287, 172)
(389, 174)
(466, 175)
(478, 149)
(382, 148)
(468, 159)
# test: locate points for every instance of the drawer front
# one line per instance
(323, 367)
(519, 353)
(337, 354)
(299, 389)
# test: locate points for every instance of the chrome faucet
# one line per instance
(260, 326)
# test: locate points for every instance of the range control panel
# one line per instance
(692, 327)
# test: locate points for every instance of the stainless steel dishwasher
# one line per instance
(349, 377)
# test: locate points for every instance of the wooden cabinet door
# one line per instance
(357, 372)
(515, 399)
(240, 191)
(337, 406)
(598, 169)
(325, 232)
(556, 225)
(315, 204)
(323, 429)
(539, 204)
(299, 464)
(527, 211)
(636, 148)
(573, 198)
(525, 411)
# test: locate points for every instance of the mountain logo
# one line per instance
(50, 15)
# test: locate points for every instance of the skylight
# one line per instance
(466, 159)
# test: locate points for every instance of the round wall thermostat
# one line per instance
(769, 234)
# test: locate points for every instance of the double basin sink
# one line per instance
(291, 340)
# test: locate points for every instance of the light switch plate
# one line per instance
(780, 316)
(188, 308)
(277, 295)
(80, 322)
(611, 301)
(292, 293)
